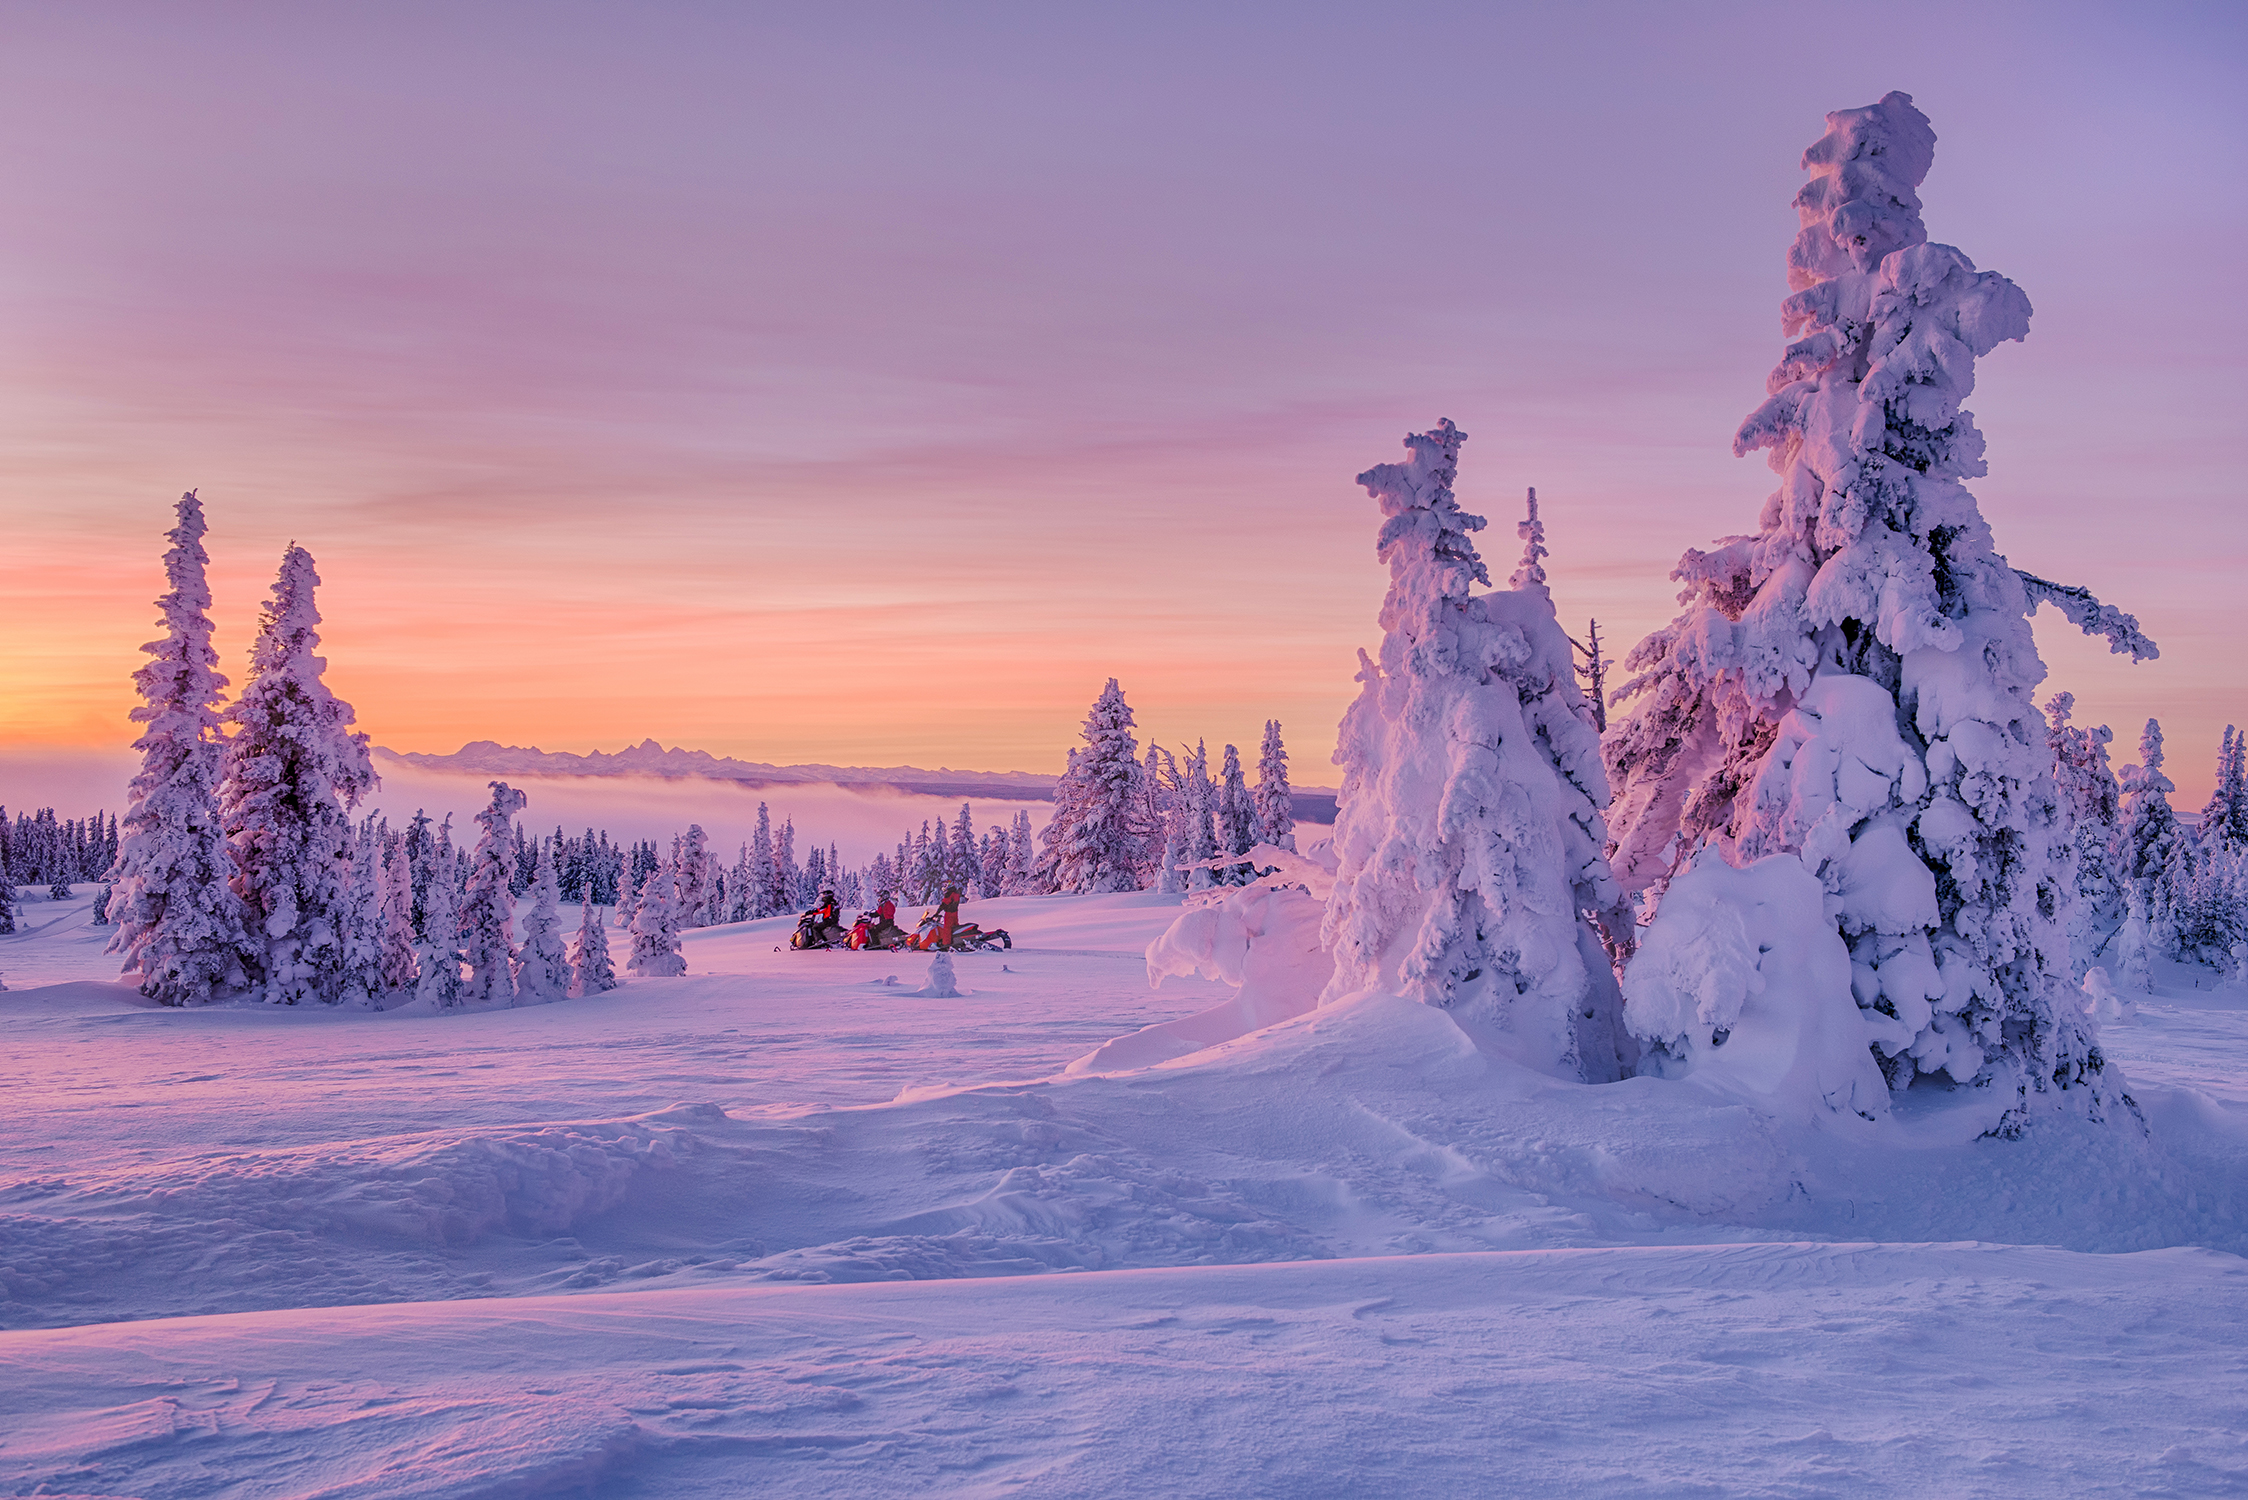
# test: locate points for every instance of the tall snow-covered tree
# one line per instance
(2149, 843)
(8, 899)
(293, 771)
(1470, 833)
(437, 953)
(1198, 797)
(690, 857)
(1022, 875)
(542, 966)
(362, 980)
(1275, 801)
(179, 924)
(2225, 819)
(1236, 818)
(590, 963)
(1852, 683)
(487, 923)
(397, 901)
(655, 928)
(1097, 841)
(2091, 799)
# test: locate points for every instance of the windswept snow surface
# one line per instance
(784, 1226)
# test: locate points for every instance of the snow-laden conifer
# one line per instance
(655, 928)
(2092, 801)
(487, 922)
(362, 979)
(1198, 797)
(1022, 874)
(1236, 818)
(1275, 802)
(7, 896)
(691, 859)
(293, 771)
(179, 924)
(437, 954)
(1097, 841)
(542, 965)
(2225, 819)
(1852, 684)
(1469, 835)
(2149, 843)
(397, 923)
(590, 963)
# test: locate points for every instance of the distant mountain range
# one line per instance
(488, 758)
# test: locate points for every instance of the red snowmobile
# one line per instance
(879, 929)
(942, 930)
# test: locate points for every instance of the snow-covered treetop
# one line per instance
(496, 820)
(1426, 538)
(1530, 572)
(1861, 202)
(183, 681)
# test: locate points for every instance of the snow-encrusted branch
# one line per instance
(2090, 615)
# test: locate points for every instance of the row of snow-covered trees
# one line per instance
(2147, 884)
(1124, 822)
(39, 848)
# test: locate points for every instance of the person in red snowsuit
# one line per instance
(948, 920)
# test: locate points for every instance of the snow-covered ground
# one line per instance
(783, 1226)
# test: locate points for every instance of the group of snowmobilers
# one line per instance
(940, 928)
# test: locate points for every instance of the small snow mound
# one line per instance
(1741, 986)
(942, 983)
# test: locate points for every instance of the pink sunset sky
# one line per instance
(868, 384)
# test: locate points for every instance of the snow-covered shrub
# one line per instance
(179, 923)
(294, 770)
(1743, 985)
(1871, 564)
(1469, 837)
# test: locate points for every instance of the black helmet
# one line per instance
(827, 895)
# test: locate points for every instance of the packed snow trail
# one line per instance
(1743, 1370)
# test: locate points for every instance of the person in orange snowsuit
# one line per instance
(948, 921)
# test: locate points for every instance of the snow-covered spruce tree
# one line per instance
(2149, 844)
(397, 900)
(437, 955)
(1470, 833)
(590, 964)
(8, 899)
(2225, 819)
(542, 966)
(1275, 802)
(1851, 684)
(487, 923)
(655, 928)
(293, 771)
(1097, 841)
(1236, 818)
(361, 982)
(1198, 797)
(690, 856)
(1022, 875)
(179, 925)
(2090, 797)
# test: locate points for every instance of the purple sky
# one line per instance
(867, 384)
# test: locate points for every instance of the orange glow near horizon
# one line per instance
(878, 414)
